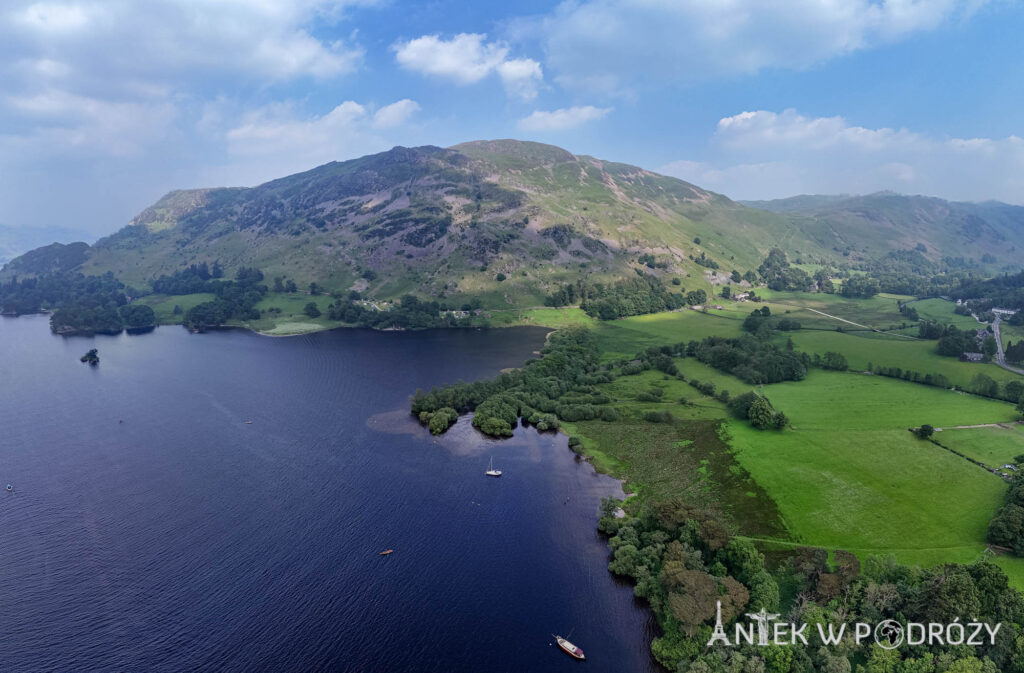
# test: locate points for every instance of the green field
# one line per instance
(625, 337)
(283, 314)
(543, 317)
(1010, 333)
(861, 348)
(941, 311)
(847, 473)
(163, 305)
(993, 446)
(879, 312)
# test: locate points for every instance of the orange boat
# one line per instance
(386, 552)
(569, 648)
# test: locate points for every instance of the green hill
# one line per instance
(873, 224)
(502, 221)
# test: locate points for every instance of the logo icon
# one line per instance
(889, 634)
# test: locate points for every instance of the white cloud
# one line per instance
(122, 39)
(613, 46)
(67, 123)
(764, 154)
(277, 140)
(562, 119)
(395, 114)
(468, 58)
(521, 77)
(53, 17)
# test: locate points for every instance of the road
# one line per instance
(1000, 357)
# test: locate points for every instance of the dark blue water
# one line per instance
(152, 529)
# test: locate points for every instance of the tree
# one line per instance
(836, 361)
(1020, 406)
(761, 414)
(442, 419)
(989, 347)
(695, 297)
(312, 310)
(314, 289)
(925, 431)
(137, 316)
(726, 292)
(983, 384)
(92, 357)
(495, 427)
(500, 277)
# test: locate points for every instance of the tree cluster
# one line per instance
(683, 561)
(750, 359)
(758, 410)
(80, 304)
(762, 323)
(1007, 527)
(409, 312)
(778, 274)
(235, 299)
(635, 296)
(558, 386)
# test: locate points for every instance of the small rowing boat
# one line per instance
(387, 551)
(569, 648)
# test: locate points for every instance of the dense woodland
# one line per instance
(409, 313)
(636, 296)
(235, 299)
(561, 384)
(79, 304)
(683, 559)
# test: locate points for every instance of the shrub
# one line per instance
(659, 417)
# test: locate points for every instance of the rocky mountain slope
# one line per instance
(506, 222)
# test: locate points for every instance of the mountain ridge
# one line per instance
(507, 222)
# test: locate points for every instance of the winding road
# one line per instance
(1000, 357)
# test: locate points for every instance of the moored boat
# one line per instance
(569, 648)
(491, 472)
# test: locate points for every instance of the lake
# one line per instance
(153, 529)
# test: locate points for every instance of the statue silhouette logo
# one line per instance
(763, 631)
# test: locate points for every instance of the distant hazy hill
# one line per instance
(505, 221)
(15, 241)
(875, 223)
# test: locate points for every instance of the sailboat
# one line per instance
(491, 472)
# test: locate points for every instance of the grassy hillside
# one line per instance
(507, 222)
(876, 223)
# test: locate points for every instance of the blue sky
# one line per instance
(107, 105)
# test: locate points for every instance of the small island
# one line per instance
(92, 357)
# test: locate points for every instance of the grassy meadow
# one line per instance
(993, 446)
(847, 473)
(163, 305)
